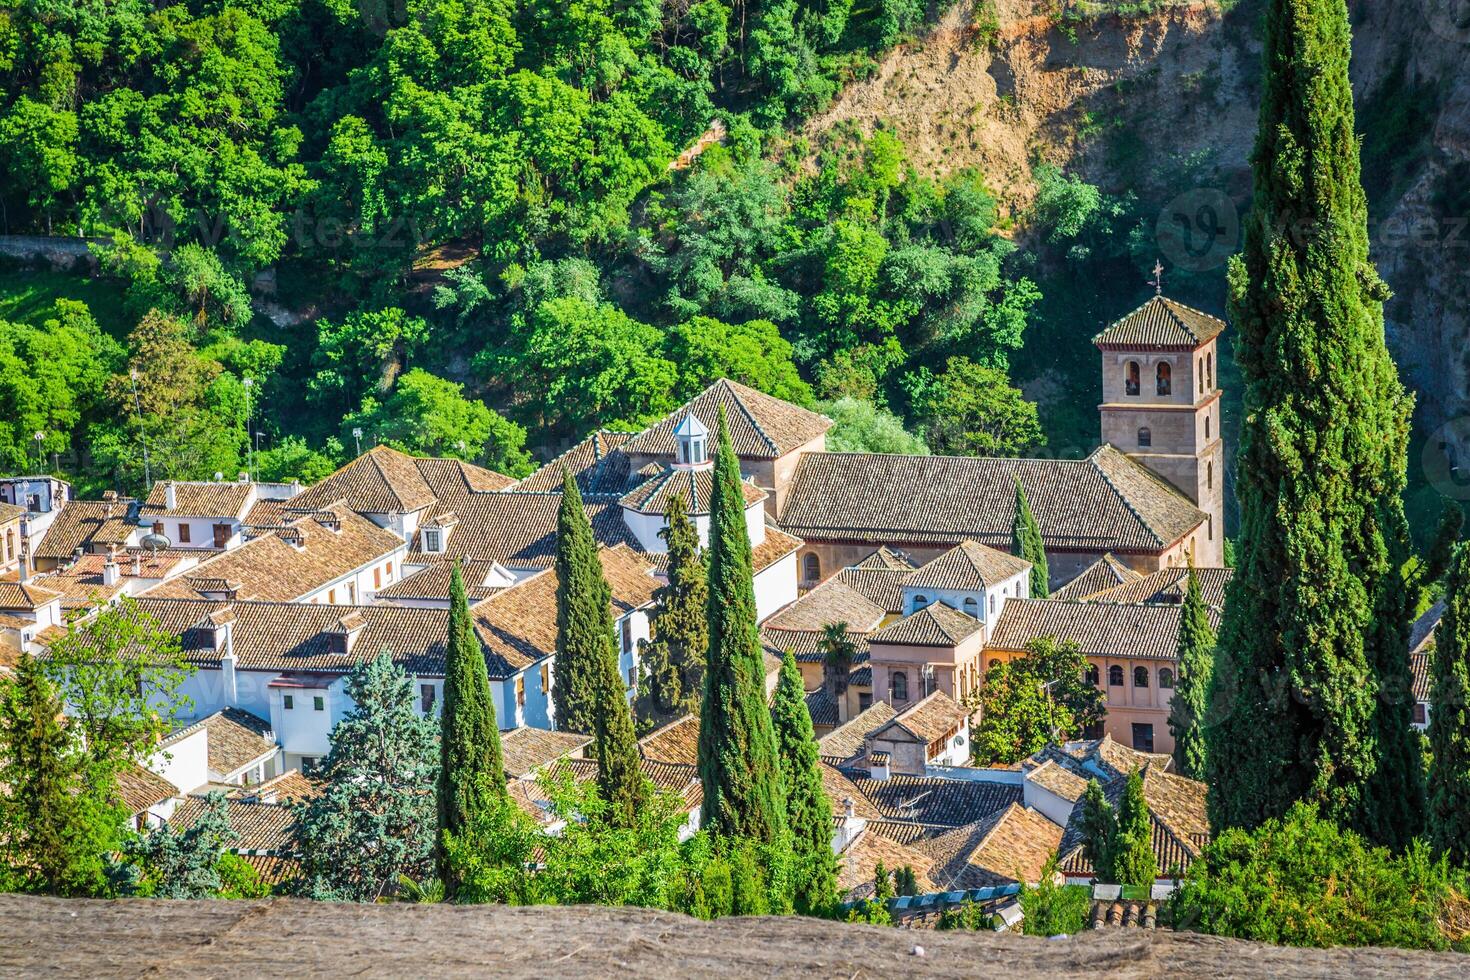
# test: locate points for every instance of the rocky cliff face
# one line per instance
(1163, 103)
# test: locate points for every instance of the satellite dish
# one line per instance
(156, 542)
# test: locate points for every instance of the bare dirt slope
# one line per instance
(75, 938)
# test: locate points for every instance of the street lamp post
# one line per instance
(142, 436)
(357, 440)
(249, 453)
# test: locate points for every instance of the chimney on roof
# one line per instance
(109, 496)
(170, 495)
(244, 477)
(137, 565)
(111, 572)
(878, 767)
(222, 621)
(344, 634)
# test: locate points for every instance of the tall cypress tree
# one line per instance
(471, 768)
(673, 663)
(1026, 543)
(620, 779)
(1449, 719)
(1132, 848)
(743, 794)
(808, 811)
(1196, 653)
(1303, 647)
(583, 611)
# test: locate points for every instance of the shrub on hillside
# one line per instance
(1304, 881)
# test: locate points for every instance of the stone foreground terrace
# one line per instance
(78, 938)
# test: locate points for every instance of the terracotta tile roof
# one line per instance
(1177, 809)
(25, 595)
(283, 565)
(1011, 845)
(258, 826)
(235, 739)
(677, 742)
(1419, 670)
(451, 479)
(1058, 780)
(431, 583)
(928, 719)
(518, 625)
(1106, 502)
(859, 863)
(834, 601)
(274, 869)
(291, 636)
(198, 499)
(86, 524)
(695, 486)
(527, 749)
(887, 558)
(1168, 585)
(1105, 573)
(806, 645)
(1161, 322)
(1124, 915)
(380, 481)
(518, 529)
(968, 566)
(597, 463)
(840, 788)
(140, 789)
(822, 707)
(761, 427)
(80, 582)
(881, 586)
(905, 832)
(1421, 634)
(846, 743)
(1099, 629)
(291, 786)
(776, 546)
(936, 625)
(931, 801)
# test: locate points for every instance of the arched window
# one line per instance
(992, 605)
(900, 686)
(1200, 371)
(1145, 436)
(1130, 379)
(1207, 427)
(1210, 476)
(1166, 678)
(972, 607)
(1210, 371)
(812, 567)
(1115, 676)
(1091, 674)
(1164, 378)
(1140, 677)
(920, 601)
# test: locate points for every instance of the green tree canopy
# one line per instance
(373, 822)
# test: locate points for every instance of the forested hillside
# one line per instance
(484, 227)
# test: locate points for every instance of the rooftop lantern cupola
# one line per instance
(693, 443)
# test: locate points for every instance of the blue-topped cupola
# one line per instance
(692, 439)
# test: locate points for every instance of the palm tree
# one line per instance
(838, 654)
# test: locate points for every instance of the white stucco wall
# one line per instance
(185, 763)
(775, 587)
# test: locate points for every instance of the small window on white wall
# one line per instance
(433, 541)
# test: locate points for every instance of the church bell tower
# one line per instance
(1161, 406)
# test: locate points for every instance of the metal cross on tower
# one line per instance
(1158, 282)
